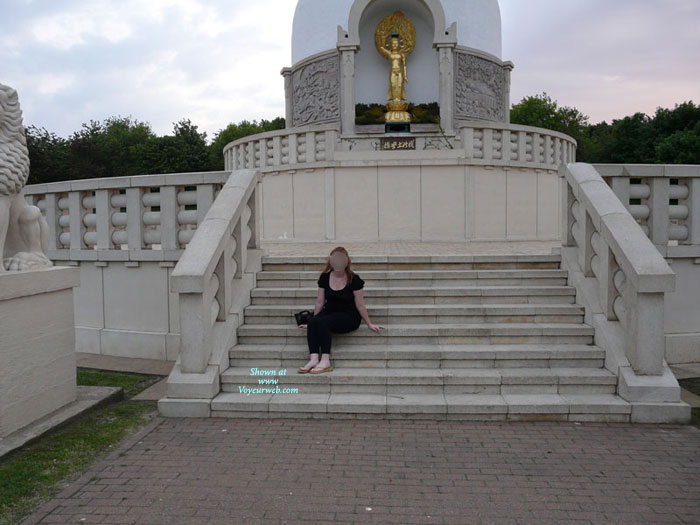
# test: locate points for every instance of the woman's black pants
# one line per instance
(321, 325)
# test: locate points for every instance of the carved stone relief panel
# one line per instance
(479, 88)
(316, 91)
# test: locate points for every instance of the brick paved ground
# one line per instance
(232, 471)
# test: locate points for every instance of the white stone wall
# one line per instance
(37, 345)
(682, 313)
(411, 202)
(127, 309)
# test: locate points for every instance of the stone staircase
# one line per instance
(496, 337)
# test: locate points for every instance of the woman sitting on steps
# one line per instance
(340, 307)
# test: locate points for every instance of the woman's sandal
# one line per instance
(312, 371)
(302, 371)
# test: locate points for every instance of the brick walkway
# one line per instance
(333, 471)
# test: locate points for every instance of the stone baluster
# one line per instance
(488, 145)
(621, 188)
(134, 218)
(77, 226)
(607, 290)
(239, 251)
(586, 251)
(293, 148)
(205, 198)
(52, 213)
(168, 218)
(467, 135)
(310, 147)
(331, 137)
(263, 154)
(693, 219)
(104, 226)
(659, 213)
(276, 150)
(254, 241)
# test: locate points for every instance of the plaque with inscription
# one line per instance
(397, 143)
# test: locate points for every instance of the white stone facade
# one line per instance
(37, 344)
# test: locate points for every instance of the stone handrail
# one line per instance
(631, 274)
(476, 143)
(138, 218)
(206, 274)
(664, 200)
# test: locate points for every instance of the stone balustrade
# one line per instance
(476, 143)
(664, 200)
(214, 258)
(139, 218)
(631, 275)
(212, 280)
(276, 149)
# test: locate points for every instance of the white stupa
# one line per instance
(457, 60)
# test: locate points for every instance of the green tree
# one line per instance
(682, 147)
(48, 156)
(108, 149)
(543, 112)
(233, 132)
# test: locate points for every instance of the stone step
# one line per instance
(429, 295)
(497, 407)
(428, 278)
(422, 356)
(416, 262)
(486, 333)
(424, 380)
(441, 313)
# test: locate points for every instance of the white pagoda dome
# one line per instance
(315, 26)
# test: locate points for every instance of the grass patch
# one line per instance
(36, 472)
(131, 383)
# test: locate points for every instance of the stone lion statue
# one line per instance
(23, 230)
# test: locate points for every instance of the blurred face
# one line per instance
(338, 261)
(394, 44)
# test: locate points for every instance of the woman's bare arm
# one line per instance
(360, 305)
(320, 299)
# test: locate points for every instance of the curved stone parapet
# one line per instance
(476, 143)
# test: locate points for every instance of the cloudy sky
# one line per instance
(218, 61)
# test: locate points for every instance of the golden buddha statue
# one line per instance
(397, 74)
(395, 39)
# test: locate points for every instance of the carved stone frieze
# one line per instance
(316, 91)
(480, 86)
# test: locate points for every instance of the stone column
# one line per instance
(347, 89)
(447, 85)
(289, 107)
(507, 67)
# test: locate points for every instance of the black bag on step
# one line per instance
(303, 316)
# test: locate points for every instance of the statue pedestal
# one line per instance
(37, 344)
(397, 127)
